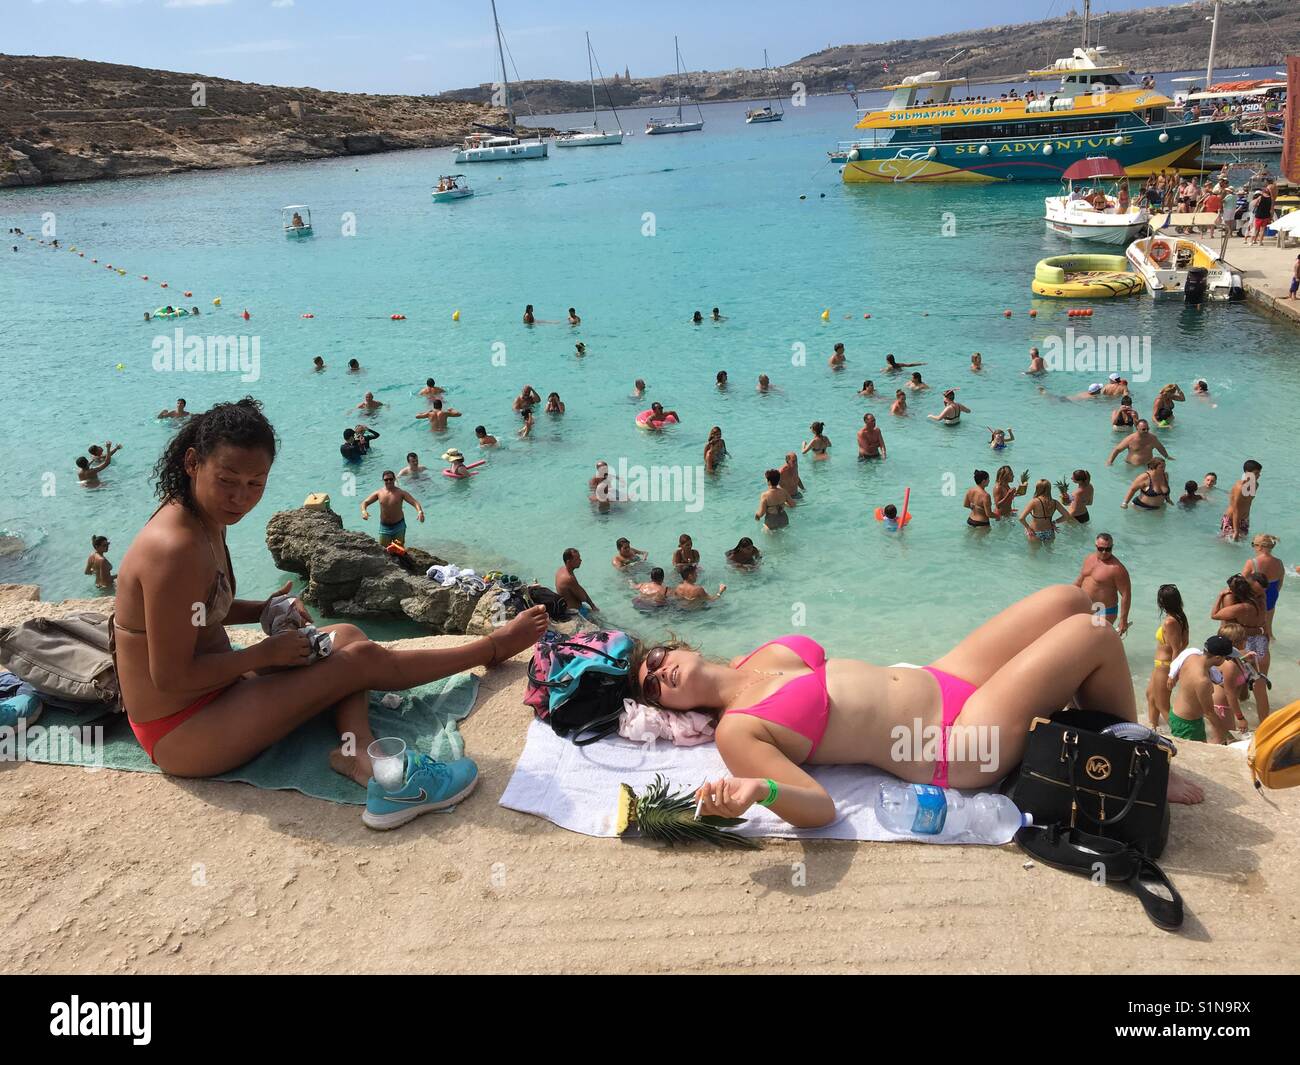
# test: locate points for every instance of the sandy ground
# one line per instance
(127, 872)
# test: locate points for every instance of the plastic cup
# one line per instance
(388, 762)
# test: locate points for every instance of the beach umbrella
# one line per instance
(1289, 223)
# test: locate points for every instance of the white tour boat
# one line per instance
(1095, 204)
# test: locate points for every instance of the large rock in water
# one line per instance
(350, 575)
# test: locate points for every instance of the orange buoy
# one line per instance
(247, 316)
(1033, 314)
(309, 316)
(144, 277)
(866, 316)
(162, 284)
(398, 317)
(1006, 314)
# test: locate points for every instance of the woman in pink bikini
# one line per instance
(787, 704)
(200, 707)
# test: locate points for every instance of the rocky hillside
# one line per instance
(1251, 33)
(74, 120)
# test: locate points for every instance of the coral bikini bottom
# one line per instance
(150, 732)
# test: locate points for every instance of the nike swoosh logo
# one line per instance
(415, 798)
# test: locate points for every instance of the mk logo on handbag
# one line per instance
(1097, 767)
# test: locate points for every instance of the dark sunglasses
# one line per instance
(1104, 550)
(653, 662)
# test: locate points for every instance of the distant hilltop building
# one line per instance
(626, 75)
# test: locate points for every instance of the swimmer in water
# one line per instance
(889, 518)
(721, 380)
(554, 405)
(979, 502)
(1005, 491)
(660, 417)
(1125, 417)
(354, 366)
(88, 472)
(529, 397)
(976, 362)
(718, 316)
(412, 469)
(652, 592)
(1149, 490)
(573, 317)
(764, 383)
(1139, 444)
(579, 349)
(98, 564)
(1000, 438)
(952, 410)
(686, 554)
(893, 366)
(837, 359)
(868, 390)
(820, 444)
(691, 592)
(437, 416)
(790, 480)
(1191, 495)
(317, 364)
(1078, 501)
(602, 489)
(179, 412)
(697, 318)
(715, 450)
(525, 430)
(528, 315)
(392, 521)
(1115, 386)
(772, 504)
(744, 555)
(916, 384)
(626, 555)
(369, 404)
(1037, 365)
(638, 388)
(485, 439)
(871, 442)
(431, 388)
(1209, 482)
(1162, 410)
(899, 406)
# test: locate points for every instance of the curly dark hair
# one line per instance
(240, 424)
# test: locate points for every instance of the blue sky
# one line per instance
(429, 45)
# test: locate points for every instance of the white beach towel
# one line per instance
(577, 787)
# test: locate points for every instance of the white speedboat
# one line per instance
(295, 219)
(595, 136)
(500, 145)
(451, 187)
(1175, 266)
(655, 126)
(765, 114)
(1095, 204)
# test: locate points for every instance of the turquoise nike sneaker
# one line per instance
(429, 786)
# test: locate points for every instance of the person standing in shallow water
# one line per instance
(1105, 580)
(198, 706)
(979, 502)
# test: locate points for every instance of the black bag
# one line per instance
(1072, 775)
(592, 712)
(556, 606)
(1099, 806)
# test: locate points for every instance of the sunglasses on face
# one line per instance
(1103, 550)
(654, 661)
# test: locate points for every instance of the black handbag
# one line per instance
(1073, 775)
(1099, 806)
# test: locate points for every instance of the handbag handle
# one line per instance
(1080, 852)
(1140, 774)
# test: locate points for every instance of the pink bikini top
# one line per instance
(801, 704)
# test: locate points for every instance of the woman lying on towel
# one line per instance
(787, 704)
(198, 706)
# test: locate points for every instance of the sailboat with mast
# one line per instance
(655, 126)
(590, 138)
(495, 144)
(766, 114)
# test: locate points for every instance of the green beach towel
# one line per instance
(426, 719)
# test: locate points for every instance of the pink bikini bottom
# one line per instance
(953, 693)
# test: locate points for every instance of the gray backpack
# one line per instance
(67, 660)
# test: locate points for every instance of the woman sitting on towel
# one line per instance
(787, 704)
(200, 707)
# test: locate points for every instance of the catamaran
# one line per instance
(765, 114)
(590, 138)
(497, 145)
(655, 126)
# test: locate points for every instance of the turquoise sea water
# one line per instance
(729, 229)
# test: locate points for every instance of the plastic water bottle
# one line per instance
(926, 810)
